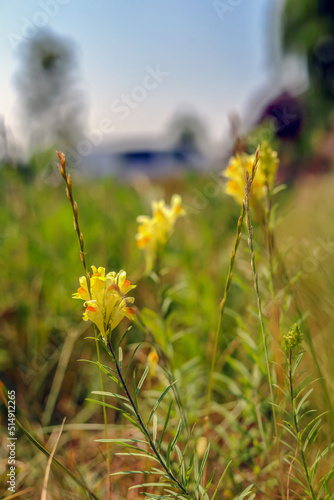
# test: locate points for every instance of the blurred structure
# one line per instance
(188, 133)
(182, 148)
(50, 99)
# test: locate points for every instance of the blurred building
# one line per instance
(143, 157)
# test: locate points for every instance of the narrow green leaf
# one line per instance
(168, 454)
(190, 468)
(196, 474)
(155, 428)
(130, 362)
(123, 336)
(145, 455)
(220, 481)
(159, 401)
(141, 381)
(208, 484)
(106, 369)
(134, 389)
(99, 402)
(204, 461)
(122, 442)
(112, 394)
(177, 435)
(182, 465)
(245, 493)
(296, 363)
(145, 485)
(165, 424)
(301, 402)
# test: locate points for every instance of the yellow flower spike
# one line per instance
(268, 163)
(108, 304)
(154, 231)
(265, 175)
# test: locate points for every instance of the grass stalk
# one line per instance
(67, 178)
(248, 188)
(223, 302)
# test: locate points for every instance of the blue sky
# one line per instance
(214, 62)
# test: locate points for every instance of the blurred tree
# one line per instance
(309, 27)
(188, 133)
(50, 98)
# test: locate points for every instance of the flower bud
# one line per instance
(62, 159)
(69, 182)
(293, 338)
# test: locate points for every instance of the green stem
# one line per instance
(104, 408)
(169, 372)
(270, 238)
(222, 307)
(271, 248)
(143, 427)
(227, 286)
(259, 306)
(248, 187)
(295, 421)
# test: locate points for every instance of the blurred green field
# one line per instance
(42, 332)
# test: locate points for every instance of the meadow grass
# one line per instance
(259, 443)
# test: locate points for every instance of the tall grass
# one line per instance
(254, 440)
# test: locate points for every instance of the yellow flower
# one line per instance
(152, 360)
(106, 304)
(154, 231)
(265, 175)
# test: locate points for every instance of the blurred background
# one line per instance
(161, 87)
(146, 99)
(157, 86)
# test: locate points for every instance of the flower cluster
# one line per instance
(154, 231)
(265, 175)
(105, 302)
(293, 338)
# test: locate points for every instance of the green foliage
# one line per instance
(158, 418)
